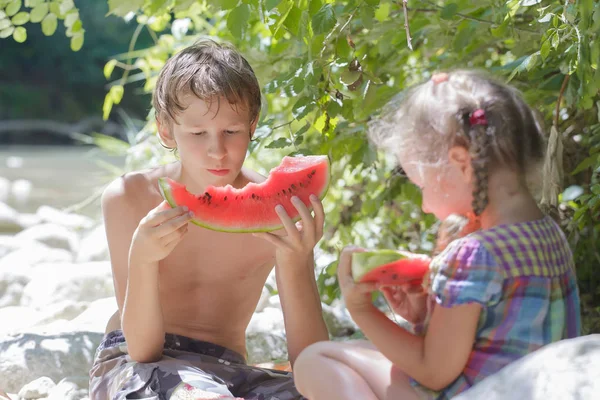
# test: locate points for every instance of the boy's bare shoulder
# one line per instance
(134, 189)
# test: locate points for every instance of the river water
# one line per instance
(57, 176)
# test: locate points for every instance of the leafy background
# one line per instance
(327, 67)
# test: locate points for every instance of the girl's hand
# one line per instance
(298, 244)
(408, 301)
(158, 233)
(356, 295)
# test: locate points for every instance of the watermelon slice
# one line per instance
(252, 208)
(389, 267)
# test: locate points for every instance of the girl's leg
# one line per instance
(336, 370)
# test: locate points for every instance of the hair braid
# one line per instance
(478, 139)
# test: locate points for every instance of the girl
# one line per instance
(497, 294)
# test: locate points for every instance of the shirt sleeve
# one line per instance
(466, 273)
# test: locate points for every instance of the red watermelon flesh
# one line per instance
(252, 208)
(388, 267)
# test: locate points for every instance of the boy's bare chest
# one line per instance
(208, 256)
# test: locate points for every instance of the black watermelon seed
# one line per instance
(314, 172)
(301, 184)
(293, 186)
(253, 196)
(225, 198)
(395, 276)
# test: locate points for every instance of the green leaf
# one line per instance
(107, 106)
(237, 21)
(271, 4)
(383, 12)
(292, 21)
(555, 40)
(367, 15)
(4, 33)
(284, 9)
(39, 12)
(280, 143)
(314, 7)
(122, 8)
(349, 77)
(109, 68)
(77, 43)
(585, 164)
(66, 6)
(21, 18)
(20, 34)
(324, 20)
(545, 50)
(302, 107)
(71, 18)
(226, 4)
(449, 11)
(49, 24)
(13, 7)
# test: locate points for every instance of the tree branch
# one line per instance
(559, 100)
(408, 38)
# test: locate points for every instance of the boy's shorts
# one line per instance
(189, 369)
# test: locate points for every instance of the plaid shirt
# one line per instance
(524, 278)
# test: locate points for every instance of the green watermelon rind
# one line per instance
(165, 191)
(365, 261)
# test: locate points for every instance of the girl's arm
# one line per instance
(434, 360)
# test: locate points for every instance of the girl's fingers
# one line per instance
(160, 215)
(344, 269)
(173, 225)
(365, 287)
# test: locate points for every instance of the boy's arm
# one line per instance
(301, 304)
(136, 285)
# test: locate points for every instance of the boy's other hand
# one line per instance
(158, 233)
(300, 238)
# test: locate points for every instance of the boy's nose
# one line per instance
(217, 149)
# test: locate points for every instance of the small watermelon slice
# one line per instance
(389, 267)
(252, 208)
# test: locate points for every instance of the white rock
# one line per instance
(21, 190)
(264, 300)
(62, 310)
(263, 347)
(26, 357)
(37, 389)
(69, 220)
(15, 319)
(93, 246)
(274, 301)
(4, 189)
(10, 243)
(568, 369)
(31, 255)
(53, 283)
(268, 320)
(27, 220)
(338, 321)
(9, 219)
(52, 235)
(96, 316)
(67, 389)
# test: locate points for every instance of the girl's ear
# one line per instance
(164, 135)
(461, 159)
(253, 128)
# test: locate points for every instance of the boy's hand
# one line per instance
(357, 296)
(298, 244)
(408, 301)
(158, 233)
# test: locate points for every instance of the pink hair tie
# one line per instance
(478, 118)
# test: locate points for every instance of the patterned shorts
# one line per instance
(189, 369)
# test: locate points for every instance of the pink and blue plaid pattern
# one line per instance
(523, 276)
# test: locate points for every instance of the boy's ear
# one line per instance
(461, 159)
(165, 135)
(253, 127)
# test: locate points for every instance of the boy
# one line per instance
(186, 294)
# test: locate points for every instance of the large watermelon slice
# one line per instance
(389, 267)
(252, 208)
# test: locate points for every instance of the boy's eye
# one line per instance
(198, 133)
(231, 132)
